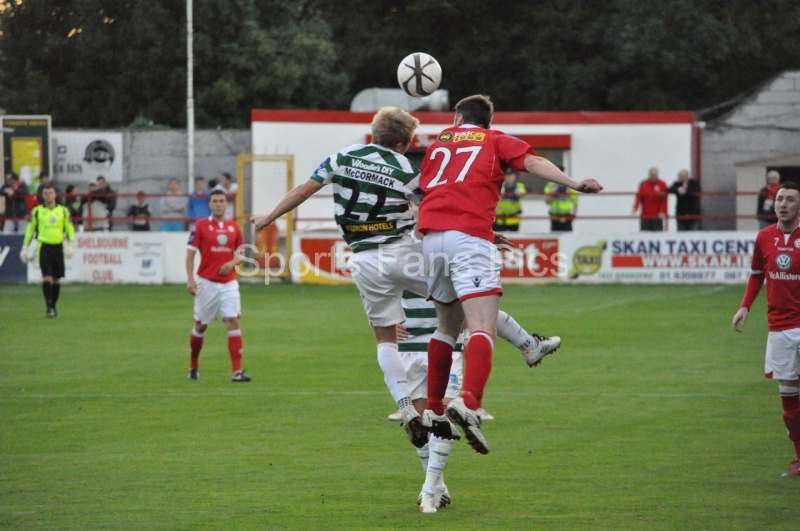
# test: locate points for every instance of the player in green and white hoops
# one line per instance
(414, 335)
(372, 187)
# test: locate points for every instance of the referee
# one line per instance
(50, 222)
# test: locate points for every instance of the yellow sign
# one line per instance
(587, 260)
(26, 156)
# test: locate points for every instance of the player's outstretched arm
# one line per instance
(290, 201)
(740, 319)
(541, 167)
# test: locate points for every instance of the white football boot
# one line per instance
(417, 433)
(470, 422)
(444, 495)
(483, 414)
(439, 425)
(428, 501)
(547, 345)
(397, 415)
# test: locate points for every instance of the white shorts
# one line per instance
(460, 266)
(416, 364)
(381, 276)
(215, 297)
(783, 360)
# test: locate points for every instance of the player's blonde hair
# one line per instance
(392, 126)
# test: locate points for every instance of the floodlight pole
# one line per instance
(189, 96)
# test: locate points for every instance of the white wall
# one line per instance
(618, 155)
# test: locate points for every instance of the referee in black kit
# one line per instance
(50, 222)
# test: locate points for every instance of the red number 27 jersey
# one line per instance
(462, 174)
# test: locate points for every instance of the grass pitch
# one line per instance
(653, 415)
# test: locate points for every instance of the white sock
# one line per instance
(439, 452)
(423, 454)
(511, 331)
(394, 373)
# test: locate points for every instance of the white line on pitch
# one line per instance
(376, 393)
(646, 299)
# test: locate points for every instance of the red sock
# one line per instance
(478, 361)
(196, 345)
(791, 417)
(235, 349)
(440, 359)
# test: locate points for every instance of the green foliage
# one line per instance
(129, 58)
(654, 415)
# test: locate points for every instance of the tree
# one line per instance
(91, 63)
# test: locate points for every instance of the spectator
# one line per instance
(15, 193)
(563, 203)
(74, 203)
(139, 214)
(108, 197)
(507, 215)
(230, 188)
(652, 197)
(95, 207)
(198, 202)
(173, 206)
(688, 205)
(44, 182)
(765, 210)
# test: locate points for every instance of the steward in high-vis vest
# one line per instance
(507, 216)
(50, 222)
(563, 203)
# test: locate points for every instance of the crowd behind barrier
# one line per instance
(95, 212)
(626, 216)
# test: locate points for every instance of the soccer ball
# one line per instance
(419, 74)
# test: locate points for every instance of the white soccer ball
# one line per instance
(419, 74)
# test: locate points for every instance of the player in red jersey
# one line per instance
(462, 174)
(776, 257)
(216, 289)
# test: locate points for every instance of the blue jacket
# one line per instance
(198, 206)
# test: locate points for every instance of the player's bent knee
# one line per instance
(231, 322)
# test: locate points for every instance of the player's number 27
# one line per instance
(446, 156)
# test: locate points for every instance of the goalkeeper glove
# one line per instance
(23, 255)
(69, 251)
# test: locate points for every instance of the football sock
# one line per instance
(235, 348)
(47, 289)
(423, 454)
(478, 361)
(790, 399)
(440, 451)
(196, 345)
(511, 331)
(440, 359)
(56, 291)
(394, 373)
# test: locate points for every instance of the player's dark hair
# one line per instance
(49, 187)
(227, 176)
(789, 185)
(476, 110)
(217, 192)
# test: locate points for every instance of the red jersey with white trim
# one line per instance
(216, 241)
(462, 174)
(777, 255)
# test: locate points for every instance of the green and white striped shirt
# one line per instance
(421, 323)
(372, 186)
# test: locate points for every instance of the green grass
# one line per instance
(654, 415)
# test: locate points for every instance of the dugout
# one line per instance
(617, 148)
